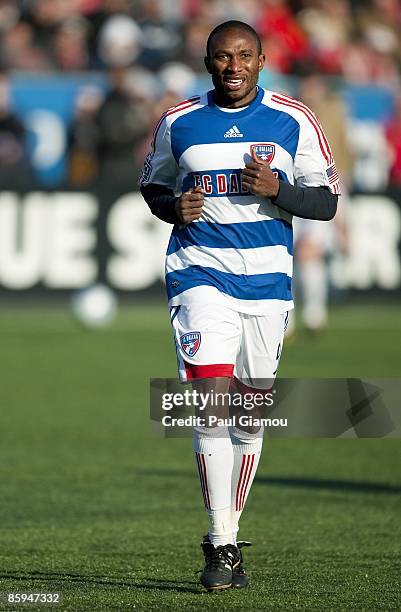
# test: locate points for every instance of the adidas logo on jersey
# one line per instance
(233, 133)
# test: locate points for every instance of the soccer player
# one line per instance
(229, 169)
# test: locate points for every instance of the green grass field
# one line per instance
(94, 506)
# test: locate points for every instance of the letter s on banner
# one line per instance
(140, 242)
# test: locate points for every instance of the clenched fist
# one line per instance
(189, 205)
(258, 178)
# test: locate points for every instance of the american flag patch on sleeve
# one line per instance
(332, 174)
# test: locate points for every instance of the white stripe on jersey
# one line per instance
(263, 260)
(241, 209)
(220, 155)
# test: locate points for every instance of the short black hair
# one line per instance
(233, 25)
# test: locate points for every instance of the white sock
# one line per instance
(314, 293)
(247, 449)
(214, 457)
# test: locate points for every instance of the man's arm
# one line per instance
(161, 201)
(306, 202)
(171, 209)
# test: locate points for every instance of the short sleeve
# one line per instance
(314, 165)
(160, 166)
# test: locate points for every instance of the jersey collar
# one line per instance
(249, 109)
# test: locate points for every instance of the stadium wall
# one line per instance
(57, 241)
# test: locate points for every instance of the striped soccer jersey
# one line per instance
(240, 250)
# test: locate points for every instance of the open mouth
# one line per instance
(233, 83)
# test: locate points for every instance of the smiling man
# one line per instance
(229, 169)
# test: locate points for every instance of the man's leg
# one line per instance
(247, 449)
(313, 274)
(206, 359)
(214, 457)
(255, 371)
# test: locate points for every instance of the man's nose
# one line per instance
(235, 64)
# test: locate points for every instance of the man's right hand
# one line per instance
(189, 205)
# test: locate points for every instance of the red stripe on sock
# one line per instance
(240, 481)
(244, 479)
(202, 457)
(247, 481)
(201, 479)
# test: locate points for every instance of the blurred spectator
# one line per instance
(329, 108)
(284, 43)
(46, 17)
(161, 37)
(70, 45)
(159, 45)
(393, 134)
(360, 40)
(178, 79)
(372, 165)
(376, 56)
(123, 122)
(328, 25)
(15, 171)
(196, 32)
(316, 241)
(19, 50)
(83, 138)
(119, 41)
(216, 11)
(9, 14)
(364, 64)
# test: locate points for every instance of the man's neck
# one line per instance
(224, 103)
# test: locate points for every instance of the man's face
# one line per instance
(234, 63)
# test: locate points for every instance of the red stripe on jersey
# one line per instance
(170, 111)
(336, 188)
(244, 458)
(287, 101)
(189, 100)
(208, 371)
(245, 489)
(312, 117)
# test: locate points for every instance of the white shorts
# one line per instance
(212, 341)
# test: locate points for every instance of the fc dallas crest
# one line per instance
(190, 343)
(264, 150)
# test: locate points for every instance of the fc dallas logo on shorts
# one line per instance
(190, 343)
(264, 150)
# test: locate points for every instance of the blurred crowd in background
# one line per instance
(150, 53)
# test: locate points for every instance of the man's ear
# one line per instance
(262, 59)
(206, 59)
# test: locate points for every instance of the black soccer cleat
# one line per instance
(240, 578)
(220, 563)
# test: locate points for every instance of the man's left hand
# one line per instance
(258, 178)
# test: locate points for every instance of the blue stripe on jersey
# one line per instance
(232, 235)
(276, 285)
(264, 124)
(221, 183)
